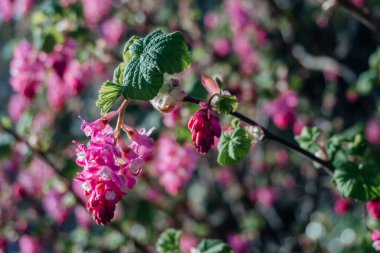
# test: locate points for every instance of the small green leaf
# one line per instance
(233, 146)
(168, 242)
(50, 38)
(108, 94)
(358, 181)
(308, 138)
(150, 58)
(226, 104)
(214, 246)
(118, 74)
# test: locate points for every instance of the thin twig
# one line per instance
(361, 14)
(326, 165)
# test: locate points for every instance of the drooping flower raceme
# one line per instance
(204, 126)
(110, 166)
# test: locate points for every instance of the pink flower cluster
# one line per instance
(376, 239)
(240, 243)
(14, 8)
(204, 126)
(283, 109)
(265, 196)
(245, 31)
(63, 75)
(173, 163)
(110, 165)
(96, 10)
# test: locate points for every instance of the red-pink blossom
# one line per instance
(222, 47)
(283, 109)
(204, 126)
(265, 196)
(95, 10)
(14, 8)
(110, 166)
(239, 243)
(376, 239)
(373, 208)
(187, 242)
(342, 206)
(53, 203)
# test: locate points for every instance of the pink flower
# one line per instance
(33, 179)
(211, 20)
(265, 196)
(239, 243)
(82, 217)
(54, 206)
(173, 164)
(187, 242)
(17, 8)
(112, 31)
(171, 119)
(27, 71)
(95, 11)
(222, 47)
(372, 131)
(342, 206)
(376, 239)
(283, 109)
(359, 3)
(29, 244)
(225, 176)
(204, 126)
(373, 208)
(17, 106)
(110, 166)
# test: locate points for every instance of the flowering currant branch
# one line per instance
(327, 166)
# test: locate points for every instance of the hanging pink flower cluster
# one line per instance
(173, 163)
(14, 8)
(283, 109)
(373, 209)
(110, 165)
(204, 126)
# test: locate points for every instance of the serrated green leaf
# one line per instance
(213, 246)
(233, 146)
(360, 182)
(226, 104)
(118, 74)
(108, 94)
(308, 138)
(168, 242)
(367, 81)
(151, 57)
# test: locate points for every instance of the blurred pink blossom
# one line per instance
(359, 3)
(342, 206)
(376, 239)
(173, 163)
(112, 31)
(27, 71)
(225, 176)
(54, 206)
(14, 8)
(211, 20)
(283, 109)
(222, 47)
(96, 10)
(29, 244)
(187, 242)
(67, 3)
(82, 217)
(373, 209)
(265, 196)
(239, 243)
(171, 119)
(373, 131)
(17, 106)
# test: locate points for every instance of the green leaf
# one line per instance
(168, 242)
(367, 81)
(118, 74)
(358, 181)
(226, 104)
(108, 94)
(151, 57)
(50, 38)
(214, 246)
(308, 138)
(233, 146)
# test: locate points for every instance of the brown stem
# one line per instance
(361, 14)
(327, 166)
(120, 118)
